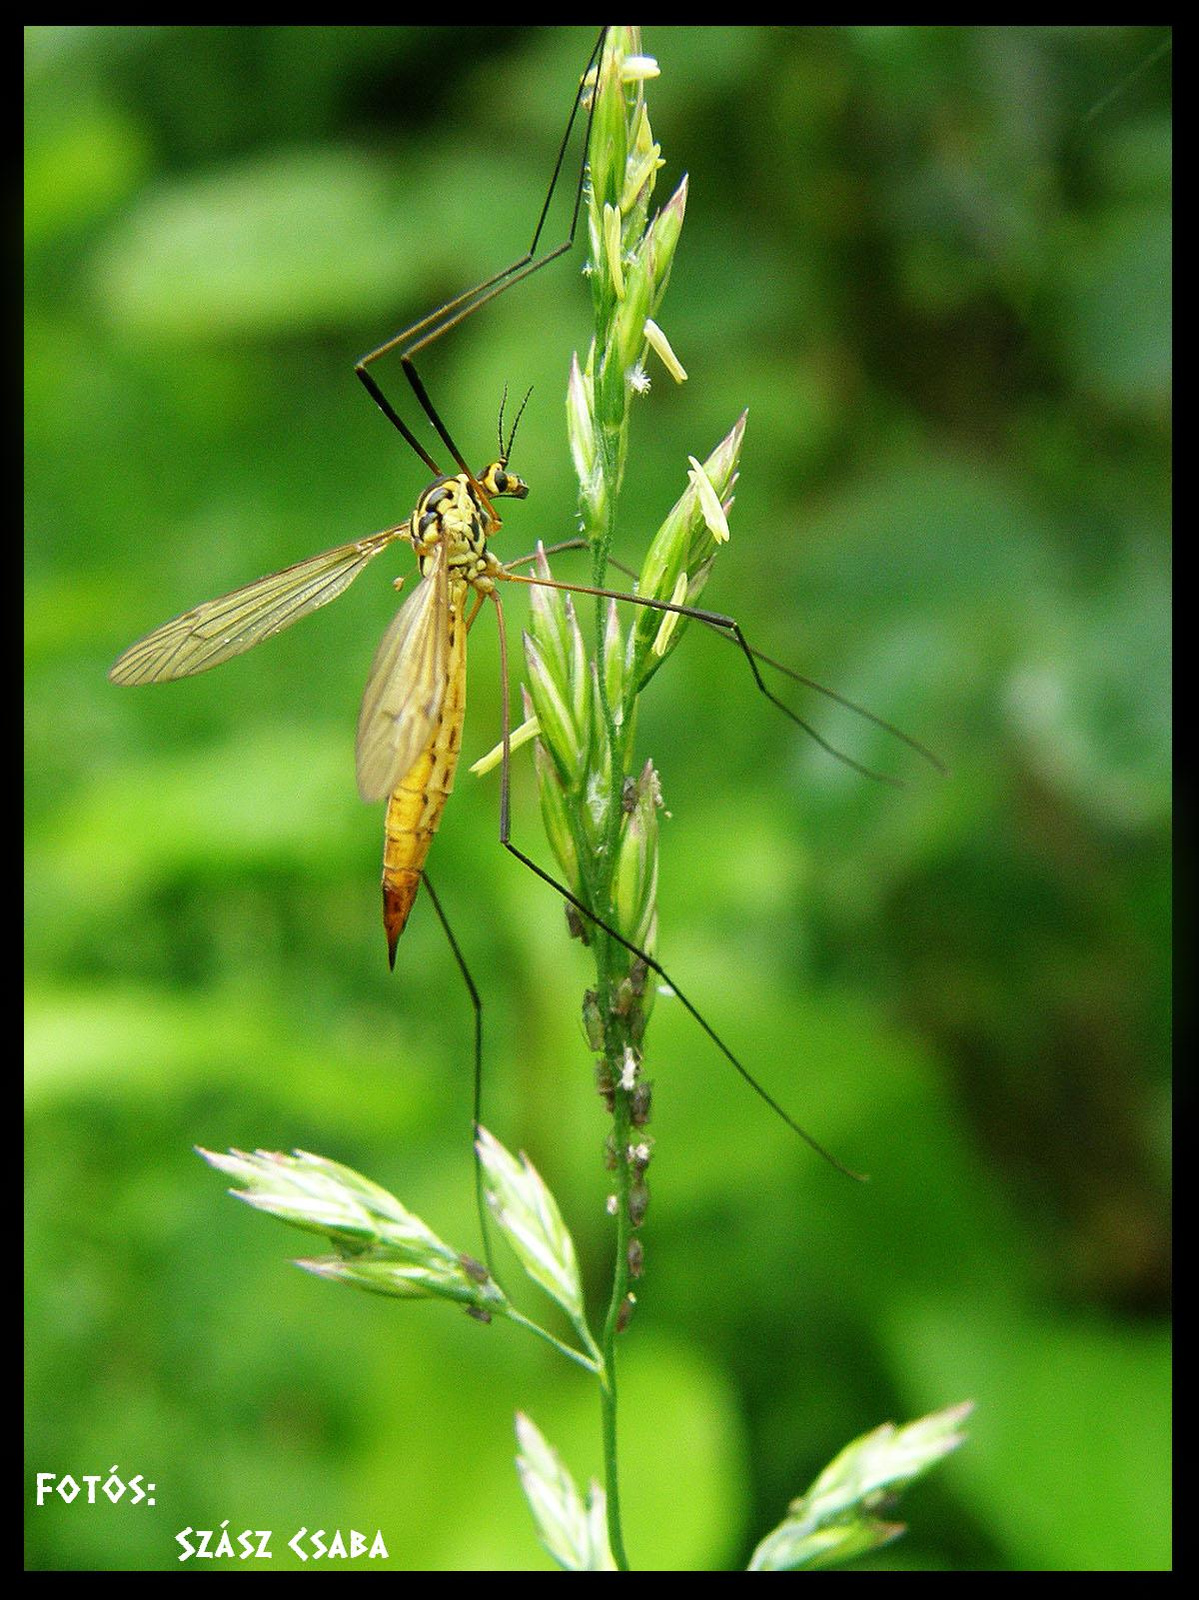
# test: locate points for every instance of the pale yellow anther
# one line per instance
(709, 502)
(637, 69)
(522, 735)
(670, 619)
(660, 345)
(633, 69)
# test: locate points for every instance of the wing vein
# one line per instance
(233, 623)
(406, 688)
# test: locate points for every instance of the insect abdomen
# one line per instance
(415, 805)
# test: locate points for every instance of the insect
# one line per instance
(410, 723)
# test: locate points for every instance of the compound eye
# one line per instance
(499, 480)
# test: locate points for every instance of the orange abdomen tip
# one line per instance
(399, 895)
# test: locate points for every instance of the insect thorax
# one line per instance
(453, 512)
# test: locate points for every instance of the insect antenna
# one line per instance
(506, 449)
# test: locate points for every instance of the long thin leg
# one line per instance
(505, 719)
(730, 628)
(721, 628)
(460, 300)
(642, 955)
(477, 1102)
(412, 340)
(577, 543)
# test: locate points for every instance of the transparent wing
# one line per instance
(221, 628)
(406, 687)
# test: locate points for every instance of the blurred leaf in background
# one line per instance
(935, 265)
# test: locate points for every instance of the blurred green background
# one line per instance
(935, 265)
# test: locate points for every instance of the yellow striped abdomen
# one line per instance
(415, 806)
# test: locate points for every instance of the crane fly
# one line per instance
(410, 722)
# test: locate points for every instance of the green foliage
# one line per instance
(381, 1247)
(836, 1520)
(931, 263)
